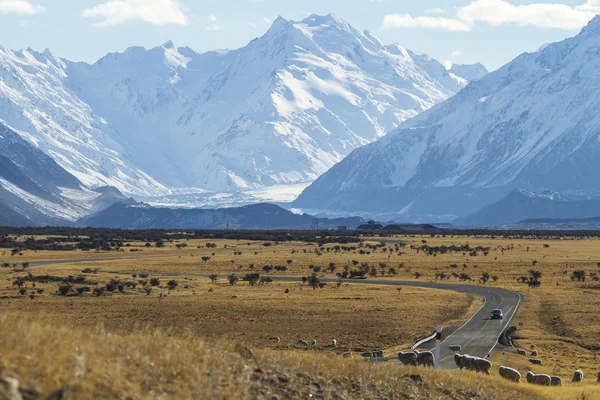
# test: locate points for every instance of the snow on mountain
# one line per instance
(279, 112)
(35, 190)
(469, 72)
(532, 124)
(35, 101)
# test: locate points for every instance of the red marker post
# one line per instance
(438, 347)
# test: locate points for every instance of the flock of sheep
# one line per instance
(467, 362)
(484, 366)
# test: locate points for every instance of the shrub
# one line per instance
(111, 287)
(64, 290)
(172, 284)
(154, 281)
(99, 290)
(233, 279)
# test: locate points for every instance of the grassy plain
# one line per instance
(560, 316)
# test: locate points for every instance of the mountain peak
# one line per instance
(593, 26)
(169, 45)
(329, 19)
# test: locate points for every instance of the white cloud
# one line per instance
(407, 21)
(435, 11)
(252, 25)
(20, 7)
(213, 28)
(156, 12)
(456, 53)
(501, 12)
(212, 17)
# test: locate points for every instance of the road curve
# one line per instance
(478, 336)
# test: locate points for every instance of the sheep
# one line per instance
(555, 381)
(425, 358)
(534, 353)
(302, 342)
(458, 360)
(367, 354)
(481, 365)
(407, 358)
(510, 373)
(455, 348)
(468, 361)
(521, 352)
(535, 361)
(333, 343)
(541, 379)
(347, 354)
(577, 376)
(313, 343)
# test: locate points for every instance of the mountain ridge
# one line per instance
(529, 124)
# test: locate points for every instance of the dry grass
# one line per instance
(150, 365)
(362, 317)
(561, 319)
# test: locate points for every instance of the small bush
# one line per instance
(64, 290)
(155, 281)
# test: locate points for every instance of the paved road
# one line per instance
(478, 336)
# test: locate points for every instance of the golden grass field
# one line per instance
(560, 317)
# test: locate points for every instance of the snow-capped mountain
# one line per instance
(256, 122)
(35, 101)
(532, 124)
(34, 189)
(469, 72)
(280, 111)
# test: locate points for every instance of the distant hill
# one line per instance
(258, 216)
(522, 205)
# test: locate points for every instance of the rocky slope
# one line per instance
(35, 190)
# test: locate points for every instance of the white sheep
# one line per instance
(577, 376)
(481, 365)
(455, 348)
(333, 343)
(302, 342)
(468, 361)
(534, 353)
(538, 379)
(458, 360)
(425, 358)
(313, 343)
(510, 373)
(521, 352)
(535, 361)
(555, 381)
(407, 358)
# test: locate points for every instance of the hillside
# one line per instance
(35, 190)
(258, 216)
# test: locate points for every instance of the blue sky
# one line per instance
(464, 31)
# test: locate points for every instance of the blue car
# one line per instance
(496, 314)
